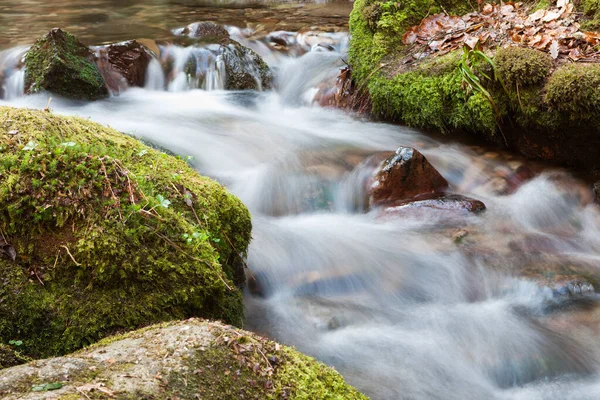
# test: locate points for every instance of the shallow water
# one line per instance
(392, 301)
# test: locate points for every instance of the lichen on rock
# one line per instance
(185, 360)
(109, 235)
(61, 64)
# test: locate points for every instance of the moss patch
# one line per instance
(109, 234)
(239, 365)
(60, 64)
(575, 90)
(10, 356)
(522, 67)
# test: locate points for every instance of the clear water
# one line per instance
(399, 308)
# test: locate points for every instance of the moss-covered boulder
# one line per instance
(101, 234)
(61, 64)
(192, 359)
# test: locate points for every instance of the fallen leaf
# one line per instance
(551, 16)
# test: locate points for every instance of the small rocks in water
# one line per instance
(404, 176)
(61, 64)
(205, 30)
(131, 59)
(459, 235)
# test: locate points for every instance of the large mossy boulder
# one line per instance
(100, 233)
(61, 64)
(192, 359)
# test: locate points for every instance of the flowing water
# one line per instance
(397, 302)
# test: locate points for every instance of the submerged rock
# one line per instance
(184, 360)
(101, 234)
(406, 175)
(61, 64)
(450, 202)
(205, 30)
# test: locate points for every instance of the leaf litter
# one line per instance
(555, 30)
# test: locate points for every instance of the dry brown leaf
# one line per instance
(471, 41)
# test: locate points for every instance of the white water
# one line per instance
(400, 309)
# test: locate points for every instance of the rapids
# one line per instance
(400, 308)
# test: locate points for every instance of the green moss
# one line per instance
(99, 250)
(250, 367)
(522, 67)
(591, 14)
(10, 356)
(60, 64)
(432, 96)
(574, 90)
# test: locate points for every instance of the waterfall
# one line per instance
(12, 73)
(155, 77)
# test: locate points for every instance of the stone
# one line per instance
(131, 59)
(61, 64)
(404, 176)
(244, 68)
(596, 189)
(179, 360)
(205, 30)
(105, 240)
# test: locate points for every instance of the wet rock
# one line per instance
(131, 59)
(404, 176)
(184, 360)
(206, 30)
(61, 64)
(596, 190)
(449, 203)
(245, 69)
(563, 278)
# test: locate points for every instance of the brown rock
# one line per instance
(131, 59)
(404, 176)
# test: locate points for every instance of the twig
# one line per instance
(71, 255)
(115, 198)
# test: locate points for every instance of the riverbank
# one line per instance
(480, 76)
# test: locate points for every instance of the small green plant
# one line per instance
(31, 145)
(15, 342)
(469, 71)
(44, 387)
(162, 202)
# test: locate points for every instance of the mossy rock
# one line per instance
(244, 68)
(103, 234)
(518, 66)
(185, 360)
(61, 64)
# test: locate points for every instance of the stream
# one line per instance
(428, 304)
